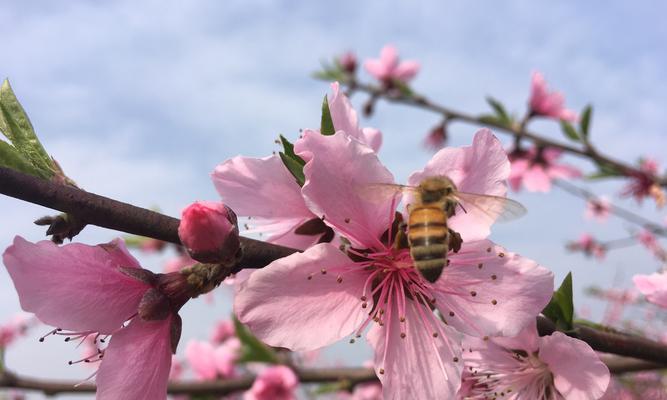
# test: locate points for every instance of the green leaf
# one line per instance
(403, 88)
(490, 119)
(332, 387)
(288, 149)
(326, 126)
(11, 158)
(560, 309)
(585, 123)
(252, 349)
(569, 131)
(16, 126)
(604, 171)
(500, 111)
(294, 167)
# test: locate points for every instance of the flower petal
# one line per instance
(340, 174)
(137, 362)
(479, 169)
(373, 138)
(535, 179)
(488, 291)
(406, 70)
(578, 372)
(75, 287)
(418, 366)
(343, 115)
(259, 187)
(284, 308)
(654, 287)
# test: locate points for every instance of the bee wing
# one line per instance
(374, 191)
(498, 209)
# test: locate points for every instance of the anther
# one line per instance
(449, 262)
(451, 313)
(402, 335)
(435, 334)
(339, 279)
(310, 277)
(473, 293)
(494, 302)
(480, 265)
(352, 341)
(323, 271)
(456, 359)
(488, 250)
(494, 277)
(501, 255)
(381, 371)
(402, 319)
(363, 298)
(347, 220)
(364, 305)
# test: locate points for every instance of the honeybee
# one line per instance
(435, 200)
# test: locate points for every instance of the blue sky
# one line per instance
(139, 102)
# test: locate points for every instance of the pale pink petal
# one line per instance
(282, 233)
(406, 70)
(568, 115)
(519, 168)
(340, 174)
(562, 171)
(137, 362)
(578, 372)
(535, 179)
(527, 339)
(538, 91)
(418, 366)
(653, 286)
(479, 169)
(344, 117)
(487, 291)
(259, 187)
(389, 56)
(377, 69)
(372, 137)
(201, 358)
(304, 314)
(74, 287)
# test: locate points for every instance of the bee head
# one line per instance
(435, 188)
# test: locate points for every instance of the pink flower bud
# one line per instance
(348, 62)
(274, 383)
(210, 232)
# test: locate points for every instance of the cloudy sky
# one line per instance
(139, 102)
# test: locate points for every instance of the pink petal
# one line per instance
(518, 286)
(377, 69)
(562, 171)
(340, 175)
(373, 138)
(418, 366)
(75, 287)
(137, 362)
(389, 56)
(200, 356)
(480, 169)
(343, 115)
(654, 287)
(406, 70)
(304, 314)
(535, 179)
(259, 187)
(578, 372)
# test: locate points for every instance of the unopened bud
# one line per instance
(348, 62)
(209, 231)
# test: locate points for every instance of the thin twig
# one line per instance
(423, 102)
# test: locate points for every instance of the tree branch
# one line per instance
(518, 131)
(108, 213)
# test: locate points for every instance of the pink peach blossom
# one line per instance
(548, 104)
(536, 169)
(367, 391)
(654, 287)
(388, 67)
(210, 361)
(222, 331)
(325, 294)
(176, 370)
(209, 231)
(642, 184)
(273, 383)
(554, 367)
(93, 291)
(650, 241)
(262, 188)
(348, 62)
(12, 330)
(598, 209)
(588, 245)
(436, 138)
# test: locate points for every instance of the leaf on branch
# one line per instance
(569, 131)
(502, 117)
(403, 88)
(326, 125)
(292, 162)
(585, 123)
(11, 158)
(16, 126)
(560, 309)
(252, 349)
(604, 171)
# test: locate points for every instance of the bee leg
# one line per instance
(401, 240)
(454, 241)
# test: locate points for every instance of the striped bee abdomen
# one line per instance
(428, 237)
